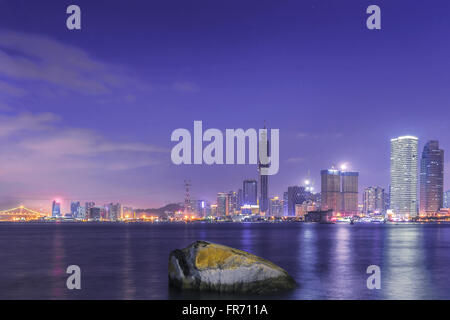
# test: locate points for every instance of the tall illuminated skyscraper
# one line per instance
(404, 175)
(431, 178)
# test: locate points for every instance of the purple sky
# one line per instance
(88, 114)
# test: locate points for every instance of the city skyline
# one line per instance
(84, 118)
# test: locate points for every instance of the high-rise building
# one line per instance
(331, 190)
(250, 191)
(74, 205)
(339, 191)
(276, 207)
(404, 173)
(263, 178)
(128, 213)
(114, 211)
(81, 213)
(233, 207)
(349, 193)
(88, 206)
(285, 203)
(240, 199)
(374, 200)
(447, 199)
(296, 195)
(431, 179)
(95, 213)
(56, 209)
(387, 200)
(222, 204)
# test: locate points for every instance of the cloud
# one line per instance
(38, 153)
(10, 125)
(32, 57)
(11, 90)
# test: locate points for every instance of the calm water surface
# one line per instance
(129, 261)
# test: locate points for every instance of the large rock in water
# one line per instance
(209, 266)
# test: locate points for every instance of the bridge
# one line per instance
(20, 214)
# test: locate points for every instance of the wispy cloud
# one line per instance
(32, 57)
(40, 154)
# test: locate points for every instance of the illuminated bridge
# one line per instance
(19, 214)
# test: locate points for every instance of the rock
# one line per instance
(214, 267)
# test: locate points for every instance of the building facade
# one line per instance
(276, 207)
(296, 195)
(331, 190)
(349, 193)
(250, 192)
(374, 200)
(431, 179)
(404, 173)
(222, 204)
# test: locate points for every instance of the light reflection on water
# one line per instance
(129, 261)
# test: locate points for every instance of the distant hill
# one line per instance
(172, 207)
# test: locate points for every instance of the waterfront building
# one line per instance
(127, 213)
(276, 207)
(404, 173)
(94, 213)
(81, 213)
(250, 191)
(222, 204)
(296, 195)
(285, 203)
(56, 209)
(331, 190)
(88, 206)
(349, 195)
(374, 200)
(431, 179)
(114, 211)
(339, 191)
(233, 207)
(447, 199)
(74, 205)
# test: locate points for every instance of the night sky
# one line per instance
(87, 115)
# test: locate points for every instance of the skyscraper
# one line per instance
(115, 211)
(349, 195)
(431, 178)
(331, 190)
(222, 204)
(263, 178)
(74, 205)
(88, 206)
(56, 209)
(374, 200)
(296, 195)
(276, 207)
(233, 202)
(250, 190)
(404, 172)
(447, 199)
